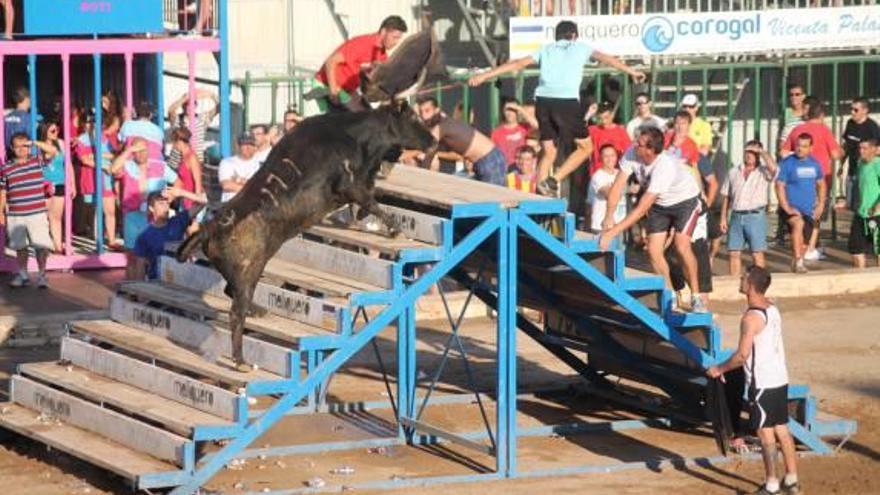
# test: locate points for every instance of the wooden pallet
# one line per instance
(166, 351)
(90, 447)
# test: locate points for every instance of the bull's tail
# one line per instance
(185, 251)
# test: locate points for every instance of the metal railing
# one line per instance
(617, 7)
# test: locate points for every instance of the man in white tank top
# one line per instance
(761, 354)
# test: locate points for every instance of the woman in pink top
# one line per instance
(190, 170)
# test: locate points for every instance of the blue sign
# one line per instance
(77, 17)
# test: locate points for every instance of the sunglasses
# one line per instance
(855, 109)
(688, 106)
(795, 94)
(641, 102)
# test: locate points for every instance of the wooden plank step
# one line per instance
(174, 416)
(338, 261)
(164, 350)
(90, 447)
(319, 311)
(208, 340)
(110, 424)
(415, 225)
(154, 379)
(445, 191)
(312, 279)
(375, 241)
(218, 309)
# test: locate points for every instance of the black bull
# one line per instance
(327, 162)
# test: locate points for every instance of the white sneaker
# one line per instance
(697, 305)
(813, 255)
(42, 281)
(19, 280)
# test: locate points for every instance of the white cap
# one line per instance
(690, 100)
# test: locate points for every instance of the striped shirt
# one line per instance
(747, 193)
(198, 141)
(25, 187)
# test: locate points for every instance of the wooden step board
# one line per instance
(373, 241)
(160, 349)
(122, 429)
(218, 309)
(194, 393)
(337, 261)
(415, 225)
(171, 415)
(321, 311)
(311, 279)
(445, 191)
(209, 340)
(90, 447)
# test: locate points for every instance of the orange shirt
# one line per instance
(360, 50)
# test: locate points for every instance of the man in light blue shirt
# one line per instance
(559, 114)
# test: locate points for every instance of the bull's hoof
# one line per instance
(393, 233)
(257, 311)
(385, 170)
(242, 367)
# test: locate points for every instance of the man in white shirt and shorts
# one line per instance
(671, 200)
(761, 354)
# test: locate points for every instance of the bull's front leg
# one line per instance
(369, 206)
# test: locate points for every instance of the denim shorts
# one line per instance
(492, 168)
(747, 227)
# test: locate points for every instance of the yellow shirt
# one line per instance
(701, 133)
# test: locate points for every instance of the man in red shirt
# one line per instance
(607, 132)
(825, 149)
(340, 74)
(511, 134)
(679, 143)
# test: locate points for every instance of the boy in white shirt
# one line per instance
(600, 184)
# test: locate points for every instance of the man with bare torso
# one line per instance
(459, 140)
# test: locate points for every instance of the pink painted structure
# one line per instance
(128, 47)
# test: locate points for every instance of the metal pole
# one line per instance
(502, 343)
(519, 87)
(677, 86)
(225, 110)
(757, 124)
(2, 133)
(160, 90)
(274, 92)
(729, 145)
(835, 183)
(69, 183)
(192, 101)
(129, 86)
(32, 83)
(705, 97)
(245, 100)
(98, 150)
(861, 82)
(494, 100)
(466, 104)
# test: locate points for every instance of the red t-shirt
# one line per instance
(688, 150)
(360, 50)
(509, 139)
(615, 135)
(823, 143)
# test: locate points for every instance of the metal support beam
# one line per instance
(337, 19)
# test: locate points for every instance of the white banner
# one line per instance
(709, 33)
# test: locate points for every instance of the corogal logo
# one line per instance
(657, 34)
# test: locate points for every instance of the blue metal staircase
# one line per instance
(138, 393)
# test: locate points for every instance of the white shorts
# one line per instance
(29, 231)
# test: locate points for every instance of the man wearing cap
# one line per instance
(701, 131)
(558, 109)
(340, 74)
(235, 171)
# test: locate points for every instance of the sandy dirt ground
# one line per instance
(832, 344)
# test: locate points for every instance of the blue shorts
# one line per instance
(748, 227)
(492, 168)
(134, 223)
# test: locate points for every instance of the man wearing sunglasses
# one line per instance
(859, 128)
(644, 117)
